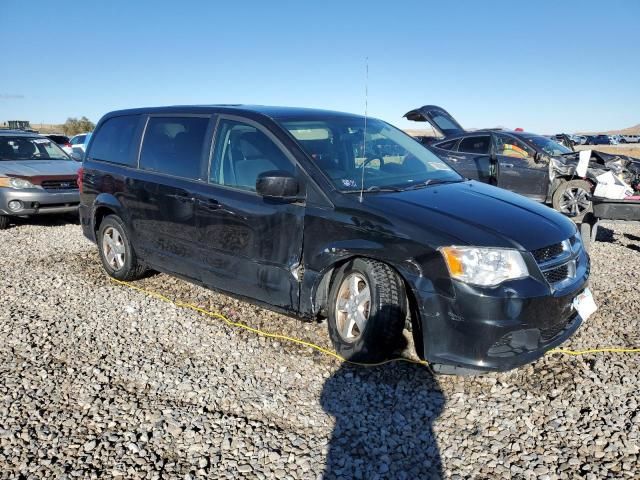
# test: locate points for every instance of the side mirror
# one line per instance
(277, 184)
(76, 155)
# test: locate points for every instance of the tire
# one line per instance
(4, 222)
(573, 199)
(123, 265)
(384, 314)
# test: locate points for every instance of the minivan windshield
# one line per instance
(30, 148)
(547, 145)
(381, 157)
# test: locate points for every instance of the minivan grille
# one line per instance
(547, 253)
(557, 261)
(557, 274)
(65, 184)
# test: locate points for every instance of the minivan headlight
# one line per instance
(486, 267)
(13, 182)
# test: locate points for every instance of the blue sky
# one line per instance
(546, 66)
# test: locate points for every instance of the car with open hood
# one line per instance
(526, 163)
(36, 177)
(322, 214)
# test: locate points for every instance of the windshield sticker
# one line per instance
(41, 140)
(347, 182)
(438, 166)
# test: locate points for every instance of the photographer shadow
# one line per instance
(383, 422)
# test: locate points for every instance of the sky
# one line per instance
(545, 66)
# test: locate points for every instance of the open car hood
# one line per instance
(439, 118)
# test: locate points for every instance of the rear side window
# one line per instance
(114, 140)
(475, 144)
(450, 145)
(175, 146)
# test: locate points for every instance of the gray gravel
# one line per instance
(97, 380)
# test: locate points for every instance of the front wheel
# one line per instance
(367, 310)
(4, 222)
(573, 198)
(116, 252)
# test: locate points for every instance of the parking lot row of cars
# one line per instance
(600, 139)
(74, 146)
(330, 215)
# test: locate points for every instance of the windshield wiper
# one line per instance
(375, 189)
(429, 183)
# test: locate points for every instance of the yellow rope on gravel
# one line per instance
(326, 351)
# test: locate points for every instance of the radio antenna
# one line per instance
(364, 134)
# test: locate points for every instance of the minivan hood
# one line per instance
(38, 168)
(474, 213)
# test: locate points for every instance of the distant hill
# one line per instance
(635, 130)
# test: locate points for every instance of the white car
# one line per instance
(629, 138)
(78, 145)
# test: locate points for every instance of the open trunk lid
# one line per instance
(438, 117)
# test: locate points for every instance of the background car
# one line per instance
(578, 139)
(629, 138)
(61, 140)
(36, 177)
(78, 145)
(598, 140)
(526, 163)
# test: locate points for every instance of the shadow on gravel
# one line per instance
(632, 237)
(604, 234)
(46, 220)
(384, 417)
(633, 247)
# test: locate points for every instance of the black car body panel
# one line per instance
(282, 253)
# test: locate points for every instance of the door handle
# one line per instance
(507, 165)
(182, 198)
(209, 204)
(453, 159)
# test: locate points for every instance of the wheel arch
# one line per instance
(322, 288)
(105, 204)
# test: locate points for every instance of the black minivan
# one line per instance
(323, 214)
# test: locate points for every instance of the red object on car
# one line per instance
(519, 130)
(80, 172)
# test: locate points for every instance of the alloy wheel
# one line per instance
(113, 248)
(575, 201)
(353, 305)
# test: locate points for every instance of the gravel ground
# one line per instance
(98, 380)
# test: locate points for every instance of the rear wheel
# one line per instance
(367, 310)
(4, 222)
(573, 198)
(116, 252)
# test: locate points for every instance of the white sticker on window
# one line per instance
(347, 182)
(41, 140)
(438, 166)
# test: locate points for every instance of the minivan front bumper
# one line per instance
(481, 329)
(35, 201)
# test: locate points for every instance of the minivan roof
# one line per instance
(277, 113)
(18, 133)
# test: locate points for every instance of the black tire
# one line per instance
(576, 188)
(585, 234)
(387, 312)
(4, 222)
(131, 269)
